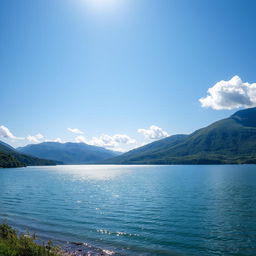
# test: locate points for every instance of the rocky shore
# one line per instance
(84, 249)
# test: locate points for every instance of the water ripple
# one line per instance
(136, 210)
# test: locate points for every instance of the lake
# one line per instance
(136, 210)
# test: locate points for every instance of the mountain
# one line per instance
(9, 157)
(4, 145)
(228, 141)
(68, 153)
(8, 161)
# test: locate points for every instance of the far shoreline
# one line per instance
(137, 164)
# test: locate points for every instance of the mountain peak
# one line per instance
(245, 117)
(69, 152)
(228, 141)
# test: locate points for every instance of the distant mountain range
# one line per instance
(68, 153)
(228, 141)
(10, 157)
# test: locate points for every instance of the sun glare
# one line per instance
(103, 5)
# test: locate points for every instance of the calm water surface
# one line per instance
(136, 210)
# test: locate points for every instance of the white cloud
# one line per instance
(80, 139)
(123, 139)
(107, 141)
(154, 133)
(36, 138)
(55, 140)
(75, 130)
(230, 95)
(7, 134)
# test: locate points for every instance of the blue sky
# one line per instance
(111, 67)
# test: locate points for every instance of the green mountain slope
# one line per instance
(68, 153)
(228, 141)
(145, 153)
(9, 157)
(8, 161)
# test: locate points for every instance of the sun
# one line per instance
(103, 2)
(103, 5)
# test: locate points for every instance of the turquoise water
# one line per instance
(136, 210)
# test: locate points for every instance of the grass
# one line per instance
(11, 244)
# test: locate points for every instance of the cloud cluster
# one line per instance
(36, 138)
(55, 140)
(75, 130)
(230, 95)
(6, 133)
(118, 142)
(108, 141)
(39, 138)
(154, 133)
(80, 139)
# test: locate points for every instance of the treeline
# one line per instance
(13, 245)
(11, 158)
(8, 161)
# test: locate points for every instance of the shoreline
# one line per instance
(84, 249)
(18, 240)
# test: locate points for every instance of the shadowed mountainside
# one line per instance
(9, 157)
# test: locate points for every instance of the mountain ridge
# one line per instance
(69, 152)
(9, 157)
(228, 141)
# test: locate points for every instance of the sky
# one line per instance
(122, 73)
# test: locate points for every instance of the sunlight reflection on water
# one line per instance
(89, 172)
(139, 210)
(92, 172)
